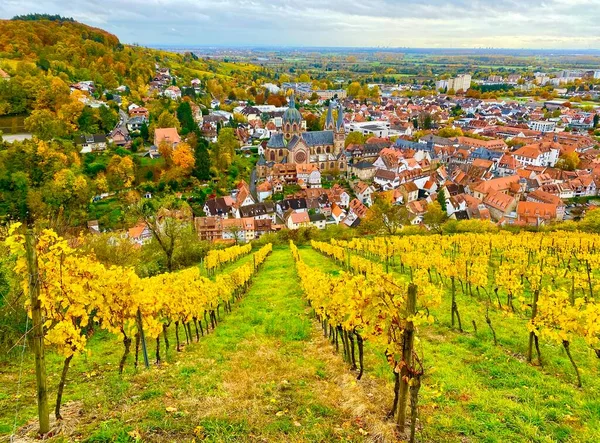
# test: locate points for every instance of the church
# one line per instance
(292, 145)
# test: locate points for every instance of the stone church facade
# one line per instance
(325, 149)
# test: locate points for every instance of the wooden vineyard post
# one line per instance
(408, 339)
(142, 338)
(38, 332)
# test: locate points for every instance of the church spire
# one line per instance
(292, 101)
(329, 120)
(339, 126)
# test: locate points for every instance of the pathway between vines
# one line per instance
(279, 377)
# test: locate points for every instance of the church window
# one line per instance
(318, 150)
(331, 165)
(281, 152)
(272, 155)
(328, 149)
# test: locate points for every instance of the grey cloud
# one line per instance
(474, 23)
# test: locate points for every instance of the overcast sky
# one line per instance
(557, 24)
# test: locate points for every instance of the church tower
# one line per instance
(292, 120)
(339, 131)
(329, 123)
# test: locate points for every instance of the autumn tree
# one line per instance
(120, 172)
(434, 217)
(353, 89)
(44, 124)
(168, 120)
(568, 161)
(167, 219)
(450, 132)
(384, 217)
(183, 158)
(223, 151)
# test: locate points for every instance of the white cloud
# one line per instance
(435, 23)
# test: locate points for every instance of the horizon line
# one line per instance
(390, 48)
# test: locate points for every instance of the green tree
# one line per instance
(441, 199)
(202, 166)
(354, 138)
(186, 118)
(88, 121)
(145, 132)
(108, 118)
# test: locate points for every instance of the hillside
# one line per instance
(267, 373)
(35, 52)
(72, 51)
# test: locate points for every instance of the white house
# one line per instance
(297, 220)
(172, 92)
(364, 193)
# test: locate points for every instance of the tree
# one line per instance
(223, 151)
(165, 150)
(88, 121)
(354, 138)
(450, 132)
(108, 118)
(186, 117)
(596, 120)
(434, 217)
(167, 219)
(353, 89)
(202, 160)
(144, 132)
(441, 198)
(425, 120)
(167, 120)
(591, 221)
(120, 172)
(568, 162)
(385, 217)
(44, 124)
(183, 158)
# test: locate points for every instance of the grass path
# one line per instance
(265, 374)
